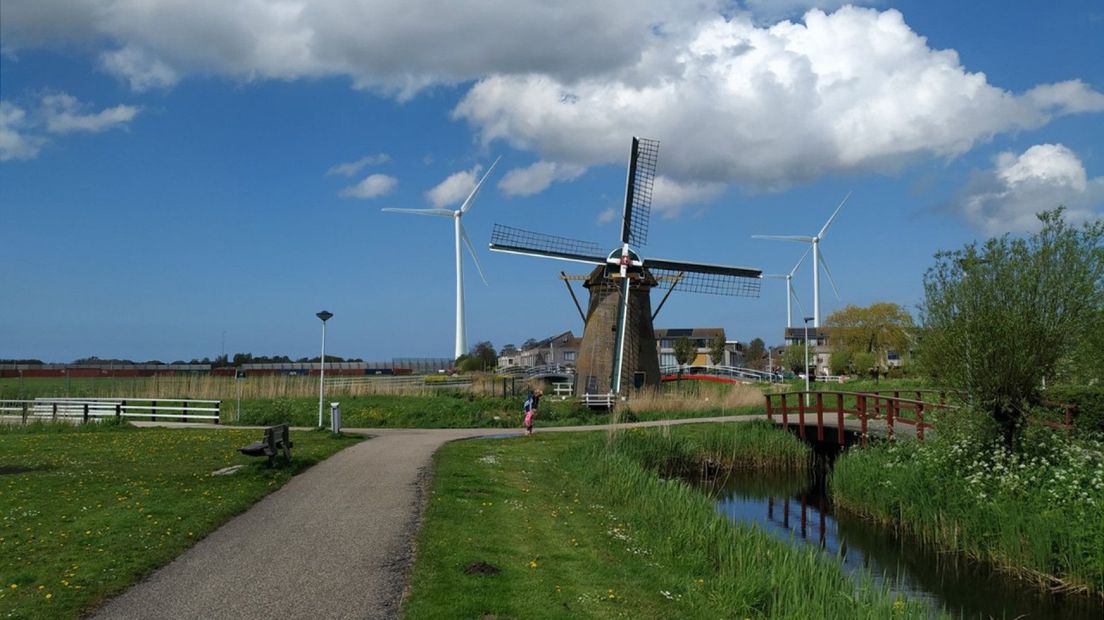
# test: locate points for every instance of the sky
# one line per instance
(185, 178)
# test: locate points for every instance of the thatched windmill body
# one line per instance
(618, 347)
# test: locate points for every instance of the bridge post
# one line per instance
(861, 402)
(820, 415)
(770, 407)
(785, 412)
(839, 419)
(920, 421)
(891, 406)
(801, 416)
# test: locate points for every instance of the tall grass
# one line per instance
(696, 396)
(1038, 513)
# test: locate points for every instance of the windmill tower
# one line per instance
(618, 346)
(459, 234)
(818, 258)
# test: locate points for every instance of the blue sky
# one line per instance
(171, 172)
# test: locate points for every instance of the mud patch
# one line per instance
(19, 469)
(481, 568)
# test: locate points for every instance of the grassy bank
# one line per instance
(582, 526)
(87, 510)
(1039, 513)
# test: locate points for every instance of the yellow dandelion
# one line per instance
(532, 563)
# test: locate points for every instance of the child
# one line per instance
(531, 403)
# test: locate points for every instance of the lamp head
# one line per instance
(324, 315)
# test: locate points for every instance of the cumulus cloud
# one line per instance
(352, 168)
(670, 196)
(23, 133)
(537, 177)
(139, 68)
(1006, 198)
(454, 188)
(853, 91)
(608, 215)
(372, 186)
(64, 114)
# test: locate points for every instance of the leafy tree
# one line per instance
(840, 362)
(529, 344)
(717, 349)
(1001, 316)
(793, 358)
(485, 353)
(863, 362)
(756, 354)
(878, 328)
(684, 351)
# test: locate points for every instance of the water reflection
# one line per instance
(796, 509)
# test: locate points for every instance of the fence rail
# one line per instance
(185, 410)
(865, 406)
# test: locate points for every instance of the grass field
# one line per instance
(581, 525)
(87, 510)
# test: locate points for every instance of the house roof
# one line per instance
(692, 332)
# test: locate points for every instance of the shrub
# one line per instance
(1088, 400)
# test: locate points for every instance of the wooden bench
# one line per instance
(275, 439)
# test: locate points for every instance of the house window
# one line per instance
(569, 356)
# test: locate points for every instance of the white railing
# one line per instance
(185, 410)
(733, 372)
(401, 381)
(563, 389)
(603, 401)
(550, 370)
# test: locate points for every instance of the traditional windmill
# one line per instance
(618, 338)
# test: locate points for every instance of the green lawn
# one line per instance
(580, 525)
(94, 508)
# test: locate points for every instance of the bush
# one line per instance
(1089, 403)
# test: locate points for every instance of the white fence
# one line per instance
(183, 410)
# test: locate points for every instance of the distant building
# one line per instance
(560, 350)
(700, 337)
(819, 348)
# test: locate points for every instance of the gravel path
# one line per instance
(335, 542)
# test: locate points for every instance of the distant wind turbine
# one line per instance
(818, 258)
(790, 292)
(461, 330)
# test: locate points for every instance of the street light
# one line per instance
(325, 316)
(807, 319)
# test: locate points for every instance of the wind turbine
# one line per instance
(818, 258)
(461, 332)
(790, 292)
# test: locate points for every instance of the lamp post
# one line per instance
(325, 316)
(807, 319)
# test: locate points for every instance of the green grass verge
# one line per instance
(580, 525)
(103, 505)
(1039, 513)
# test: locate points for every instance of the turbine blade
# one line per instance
(468, 201)
(800, 260)
(828, 224)
(801, 238)
(437, 212)
(471, 250)
(829, 273)
(793, 293)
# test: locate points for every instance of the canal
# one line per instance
(796, 509)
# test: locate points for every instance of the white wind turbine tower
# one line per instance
(461, 332)
(790, 292)
(818, 258)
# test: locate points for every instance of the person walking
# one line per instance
(531, 403)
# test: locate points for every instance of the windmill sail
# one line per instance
(517, 241)
(638, 191)
(705, 278)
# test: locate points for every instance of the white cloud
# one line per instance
(372, 186)
(454, 188)
(143, 71)
(670, 196)
(1006, 198)
(537, 177)
(23, 134)
(63, 114)
(853, 91)
(608, 215)
(351, 168)
(15, 143)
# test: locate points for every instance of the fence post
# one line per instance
(861, 401)
(770, 407)
(891, 406)
(24, 406)
(185, 412)
(118, 413)
(920, 421)
(785, 412)
(153, 409)
(218, 419)
(53, 416)
(86, 413)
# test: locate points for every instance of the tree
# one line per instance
(878, 328)
(793, 358)
(684, 351)
(999, 317)
(840, 362)
(756, 354)
(717, 349)
(485, 354)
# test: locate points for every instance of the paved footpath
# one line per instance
(335, 542)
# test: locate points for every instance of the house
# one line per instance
(560, 350)
(819, 349)
(701, 337)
